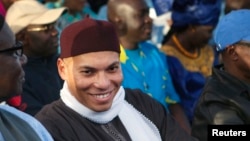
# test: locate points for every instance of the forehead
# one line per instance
(101, 58)
(138, 3)
(135, 5)
(237, 3)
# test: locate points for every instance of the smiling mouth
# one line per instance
(101, 96)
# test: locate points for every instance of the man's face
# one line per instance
(93, 78)
(42, 39)
(11, 72)
(138, 24)
(243, 64)
(202, 35)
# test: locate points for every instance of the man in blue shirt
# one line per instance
(143, 65)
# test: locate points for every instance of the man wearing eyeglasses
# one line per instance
(34, 25)
(15, 124)
(226, 97)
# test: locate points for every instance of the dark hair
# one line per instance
(174, 30)
(1, 22)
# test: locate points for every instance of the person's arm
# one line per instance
(179, 115)
(223, 114)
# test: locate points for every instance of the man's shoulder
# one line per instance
(135, 94)
(142, 101)
(48, 111)
(20, 120)
(15, 112)
(153, 50)
(148, 45)
(9, 111)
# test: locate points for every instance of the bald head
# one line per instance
(115, 8)
(131, 20)
(122, 7)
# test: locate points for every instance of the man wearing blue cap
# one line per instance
(225, 98)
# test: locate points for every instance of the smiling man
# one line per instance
(93, 105)
(145, 66)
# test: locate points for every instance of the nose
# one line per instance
(54, 31)
(148, 19)
(23, 59)
(101, 81)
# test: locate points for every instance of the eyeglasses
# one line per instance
(47, 27)
(17, 49)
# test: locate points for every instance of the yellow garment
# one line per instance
(123, 56)
(203, 63)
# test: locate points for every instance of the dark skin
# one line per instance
(201, 34)
(39, 43)
(11, 72)
(132, 21)
(133, 24)
(236, 61)
(192, 38)
(236, 4)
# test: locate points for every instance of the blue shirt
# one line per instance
(34, 124)
(146, 69)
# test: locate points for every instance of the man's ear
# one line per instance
(120, 26)
(62, 68)
(192, 28)
(22, 36)
(231, 51)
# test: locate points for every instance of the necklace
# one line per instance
(182, 50)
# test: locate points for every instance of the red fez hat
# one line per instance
(88, 35)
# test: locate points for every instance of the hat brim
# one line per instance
(49, 16)
(246, 39)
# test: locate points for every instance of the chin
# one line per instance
(145, 39)
(103, 108)
(148, 37)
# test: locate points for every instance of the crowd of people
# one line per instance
(69, 75)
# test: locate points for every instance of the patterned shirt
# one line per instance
(145, 68)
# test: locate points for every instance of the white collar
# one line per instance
(139, 127)
(98, 117)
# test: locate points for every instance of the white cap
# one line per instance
(25, 12)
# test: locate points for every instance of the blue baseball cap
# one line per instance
(232, 28)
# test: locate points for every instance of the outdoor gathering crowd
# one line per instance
(122, 70)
